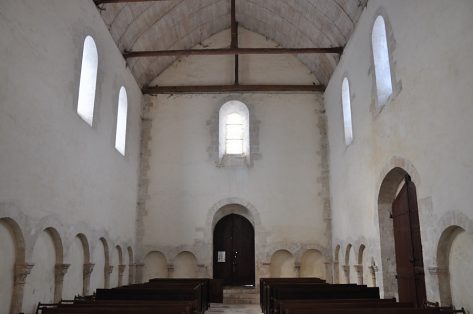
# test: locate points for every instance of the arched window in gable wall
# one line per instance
(234, 130)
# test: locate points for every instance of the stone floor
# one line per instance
(234, 308)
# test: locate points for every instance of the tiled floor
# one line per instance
(234, 309)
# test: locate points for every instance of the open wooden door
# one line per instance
(408, 245)
(234, 251)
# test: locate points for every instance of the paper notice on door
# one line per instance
(221, 256)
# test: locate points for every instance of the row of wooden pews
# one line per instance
(314, 296)
(166, 296)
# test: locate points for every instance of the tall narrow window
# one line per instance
(346, 106)
(234, 129)
(382, 64)
(88, 80)
(120, 137)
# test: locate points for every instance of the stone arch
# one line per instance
(101, 268)
(45, 282)
(155, 266)
(106, 251)
(347, 267)
(131, 274)
(282, 264)
(336, 265)
(185, 265)
(360, 267)
(75, 282)
(392, 177)
(12, 266)
(59, 249)
(85, 244)
(312, 264)
(443, 262)
(234, 205)
(118, 267)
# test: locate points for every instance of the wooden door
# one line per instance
(408, 246)
(234, 251)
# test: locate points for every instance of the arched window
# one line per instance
(88, 80)
(346, 106)
(120, 136)
(382, 64)
(234, 129)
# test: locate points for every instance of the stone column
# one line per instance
(373, 270)
(297, 269)
(440, 277)
(87, 271)
(21, 272)
(107, 271)
(336, 273)
(170, 271)
(121, 271)
(139, 273)
(328, 272)
(131, 274)
(359, 274)
(60, 270)
(346, 271)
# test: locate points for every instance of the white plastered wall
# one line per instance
(282, 188)
(54, 168)
(425, 129)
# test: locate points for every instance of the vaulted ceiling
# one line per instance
(183, 24)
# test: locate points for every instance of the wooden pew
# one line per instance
(366, 311)
(265, 282)
(293, 306)
(317, 291)
(157, 292)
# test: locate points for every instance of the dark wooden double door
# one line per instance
(408, 245)
(234, 251)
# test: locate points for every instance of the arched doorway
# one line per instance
(401, 244)
(234, 251)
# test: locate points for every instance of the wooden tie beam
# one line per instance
(235, 88)
(230, 51)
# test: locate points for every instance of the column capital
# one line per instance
(21, 272)
(108, 269)
(373, 269)
(121, 269)
(60, 270)
(88, 269)
(346, 268)
(358, 268)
